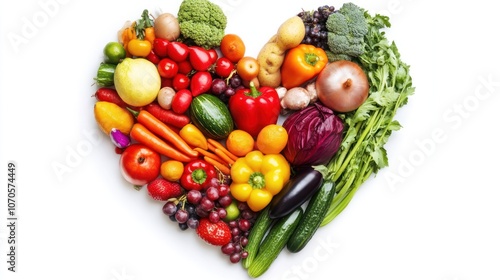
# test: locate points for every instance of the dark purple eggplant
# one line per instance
(298, 190)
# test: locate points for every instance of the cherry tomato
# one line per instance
(213, 55)
(201, 82)
(224, 67)
(166, 82)
(248, 68)
(155, 59)
(185, 67)
(139, 48)
(167, 68)
(180, 81)
(199, 58)
(160, 47)
(181, 101)
(177, 51)
(232, 47)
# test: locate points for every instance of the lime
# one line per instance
(114, 52)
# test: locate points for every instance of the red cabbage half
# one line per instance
(314, 135)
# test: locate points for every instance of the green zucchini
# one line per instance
(313, 216)
(106, 75)
(259, 229)
(274, 242)
(211, 116)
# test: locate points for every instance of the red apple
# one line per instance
(139, 164)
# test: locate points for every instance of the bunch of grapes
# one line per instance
(315, 24)
(226, 88)
(240, 229)
(211, 203)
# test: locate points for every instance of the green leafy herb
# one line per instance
(362, 151)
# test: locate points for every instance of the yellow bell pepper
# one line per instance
(256, 178)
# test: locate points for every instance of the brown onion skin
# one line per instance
(342, 86)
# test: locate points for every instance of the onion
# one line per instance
(167, 27)
(342, 86)
(314, 135)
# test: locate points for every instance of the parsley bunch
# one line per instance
(362, 151)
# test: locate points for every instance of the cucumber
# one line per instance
(211, 116)
(259, 229)
(274, 243)
(313, 216)
(105, 75)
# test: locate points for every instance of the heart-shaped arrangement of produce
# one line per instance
(253, 154)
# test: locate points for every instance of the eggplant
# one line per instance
(298, 190)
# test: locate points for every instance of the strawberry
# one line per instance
(217, 234)
(162, 189)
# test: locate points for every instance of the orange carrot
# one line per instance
(218, 165)
(209, 154)
(218, 145)
(142, 135)
(163, 130)
(225, 157)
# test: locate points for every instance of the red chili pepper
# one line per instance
(253, 109)
(197, 175)
(200, 58)
(167, 116)
(109, 95)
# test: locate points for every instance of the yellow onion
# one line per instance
(314, 135)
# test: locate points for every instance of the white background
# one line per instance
(440, 221)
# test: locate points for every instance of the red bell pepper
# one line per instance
(253, 109)
(197, 175)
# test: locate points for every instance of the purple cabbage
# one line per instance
(314, 135)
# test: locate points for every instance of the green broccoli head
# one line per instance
(201, 34)
(346, 30)
(201, 22)
(355, 18)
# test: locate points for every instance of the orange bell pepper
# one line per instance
(301, 64)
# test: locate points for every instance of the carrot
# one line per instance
(219, 146)
(225, 157)
(163, 130)
(206, 153)
(218, 165)
(142, 135)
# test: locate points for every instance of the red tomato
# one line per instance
(185, 67)
(139, 164)
(155, 59)
(200, 58)
(248, 68)
(177, 51)
(180, 81)
(213, 55)
(160, 47)
(224, 67)
(167, 68)
(201, 82)
(181, 101)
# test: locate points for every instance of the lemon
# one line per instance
(137, 81)
(109, 115)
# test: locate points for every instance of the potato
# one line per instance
(291, 33)
(270, 59)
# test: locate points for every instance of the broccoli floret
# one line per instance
(346, 30)
(201, 22)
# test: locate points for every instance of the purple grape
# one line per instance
(235, 81)
(228, 249)
(212, 193)
(214, 217)
(169, 208)
(225, 201)
(244, 225)
(218, 86)
(192, 223)
(194, 197)
(207, 204)
(181, 216)
(235, 257)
